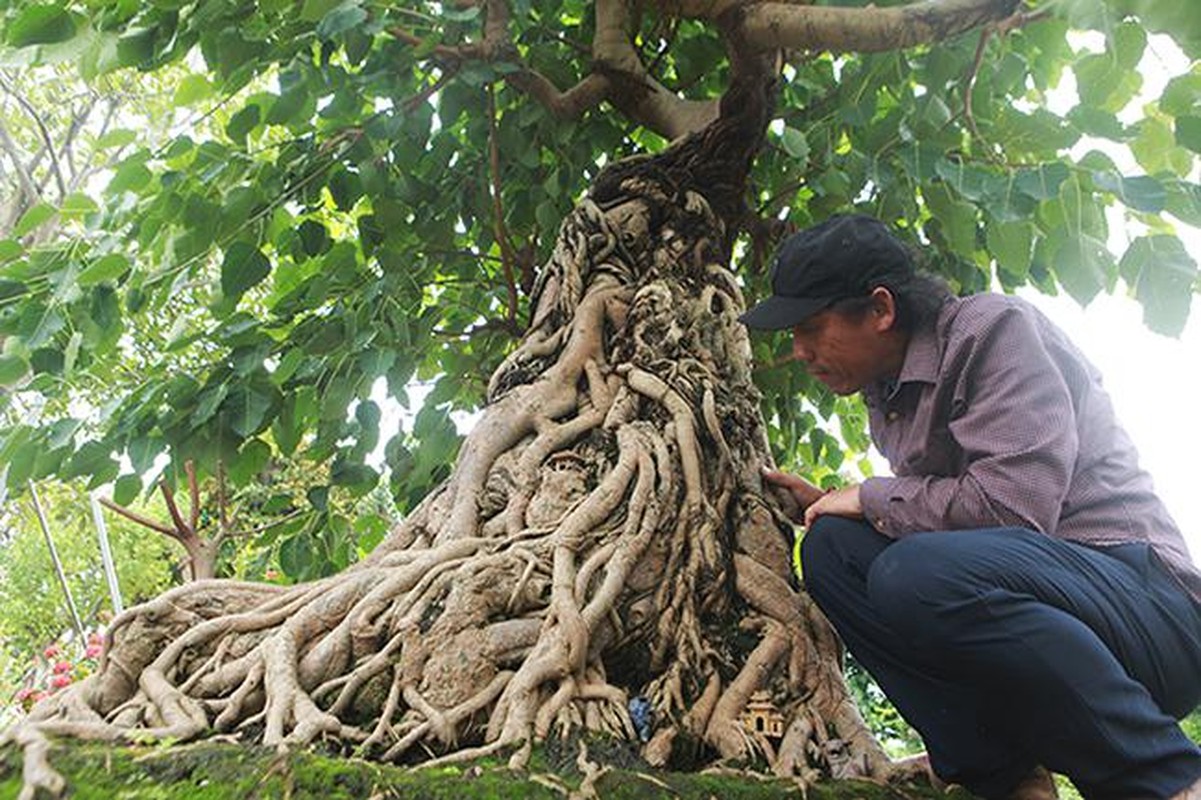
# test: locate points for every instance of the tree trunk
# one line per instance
(603, 546)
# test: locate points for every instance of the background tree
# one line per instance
(382, 185)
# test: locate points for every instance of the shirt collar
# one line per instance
(923, 355)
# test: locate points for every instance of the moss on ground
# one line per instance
(216, 771)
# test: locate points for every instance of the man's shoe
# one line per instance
(1038, 785)
(1191, 793)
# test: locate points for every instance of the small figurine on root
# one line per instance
(603, 539)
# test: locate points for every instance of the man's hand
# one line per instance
(793, 493)
(842, 502)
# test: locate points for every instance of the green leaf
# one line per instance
(296, 555)
(33, 218)
(105, 268)
(1042, 182)
(131, 176)
(1129, 44)
(192, 89)
(1182, 96)
(314, 237)
(1188, 133)
(1011, 244)
(77, 204)
(249, 408)
(126, 489)
(135, 47)
(795, 144)
(1155, 148)
(360, 478)
(1142, 192)
(955, 219)
(1083, 265)
(118, 137)
(252, 459)
(1162, 273)
(242, 123)
(314, 10)
(41, 23)
(12, 369)
(93, 458)
(341, 19)
(243, 267)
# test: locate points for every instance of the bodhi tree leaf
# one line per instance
(1012, 245)
(243, 267)
(106, 268)
(40, 23)
(1162, 273)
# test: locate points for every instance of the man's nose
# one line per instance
(800, 352)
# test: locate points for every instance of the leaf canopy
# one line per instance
(329, 203)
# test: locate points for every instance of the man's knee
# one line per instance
(835, 549)
(911, 584)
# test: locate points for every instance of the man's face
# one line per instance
(847, 352)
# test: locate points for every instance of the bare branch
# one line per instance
(29, 192)
(172, 507)
(49, 143)
(133, 516)
(194, 492)
(781, 26)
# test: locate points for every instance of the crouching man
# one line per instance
(1017, 590)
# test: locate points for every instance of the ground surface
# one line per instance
(209, 771)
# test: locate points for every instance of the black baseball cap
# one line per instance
(846, 256)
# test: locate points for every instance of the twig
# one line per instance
(134, 516)
(180, 524)
(189, 468)
(37, 119)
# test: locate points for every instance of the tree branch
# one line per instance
(133, 516)
(29, 193)
(767, 26)
(49, 143)
(194, 494)
(173, 508)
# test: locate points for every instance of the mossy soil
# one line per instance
(216, 771)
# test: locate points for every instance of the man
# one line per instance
(1017, 590)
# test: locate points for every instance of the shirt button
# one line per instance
(892, 416)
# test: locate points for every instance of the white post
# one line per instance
(106, 556)
(58, 566)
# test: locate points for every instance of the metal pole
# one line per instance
(106, 556)
(58, 566)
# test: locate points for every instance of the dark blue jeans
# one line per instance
(1006, 649)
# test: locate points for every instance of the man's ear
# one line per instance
(884, 309)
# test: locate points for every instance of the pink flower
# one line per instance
(50, 652)
(25, 694)
(59, 681)
(63, 667)
(270, 574)
(93, 651)
(96, 639)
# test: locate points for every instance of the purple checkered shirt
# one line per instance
(997, 419)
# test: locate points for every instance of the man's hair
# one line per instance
(918, 297)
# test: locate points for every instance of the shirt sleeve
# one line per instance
(1013, 418)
